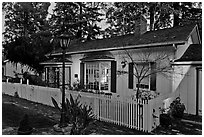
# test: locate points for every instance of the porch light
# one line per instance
(64, 41)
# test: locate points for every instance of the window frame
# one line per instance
(150, 64)
(100, 74)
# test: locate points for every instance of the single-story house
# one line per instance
(11, 70)
(108, 65)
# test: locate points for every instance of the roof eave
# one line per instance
(187, 63)
(127, 47)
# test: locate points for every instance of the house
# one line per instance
(12, 70)
(106, 65)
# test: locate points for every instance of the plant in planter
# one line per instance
(165, 118)
(172, 114)
(24, 127)
(77, 115)
(177, 108)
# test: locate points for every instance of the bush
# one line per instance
(173, 114)
(177, 108)
(80, 116)
(33, 79)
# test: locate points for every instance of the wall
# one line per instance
(11, 67)
(122, 78)
(75, 68)
(184, 85)
(163, 82)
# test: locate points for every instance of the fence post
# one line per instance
(21, 81)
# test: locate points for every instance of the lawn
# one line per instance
(43, 118)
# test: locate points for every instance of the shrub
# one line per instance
(177, 108)
(80, 116)
(33, 79)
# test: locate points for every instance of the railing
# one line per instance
(136, 114)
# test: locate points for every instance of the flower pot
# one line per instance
(165, 120)
(57, 128)
(25, 132)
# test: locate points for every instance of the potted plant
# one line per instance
(173, 114)
(24, 127)
(165, 118)
(177, 108)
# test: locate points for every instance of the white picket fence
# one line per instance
(142, 115)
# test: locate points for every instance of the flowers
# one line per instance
(146, 94)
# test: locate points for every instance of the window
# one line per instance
(53, 76)
(145, 72)
(97, 75)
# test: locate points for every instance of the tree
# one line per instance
(121, 17)
(24, 19)
(77, 18)
(26, 39)
(185, 11)
(147, 63)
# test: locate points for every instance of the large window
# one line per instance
(97, 75)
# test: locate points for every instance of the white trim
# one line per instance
(92, 60)
(54, 63)
(127, 47)
(187, 63)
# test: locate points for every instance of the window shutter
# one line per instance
(130, 76)
(113, 76)
(153, 77)
(82, 74)
(69, 76)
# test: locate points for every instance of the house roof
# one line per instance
(193, 53)
(105, 55)
(167, 36)
(55, 61)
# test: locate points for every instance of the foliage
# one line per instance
(33, 79)
(121, 17)
(173, 113)
(148, 95)
(79, 19)
(177, 108)
(24, 18)
(80, 116)
(26, 36)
